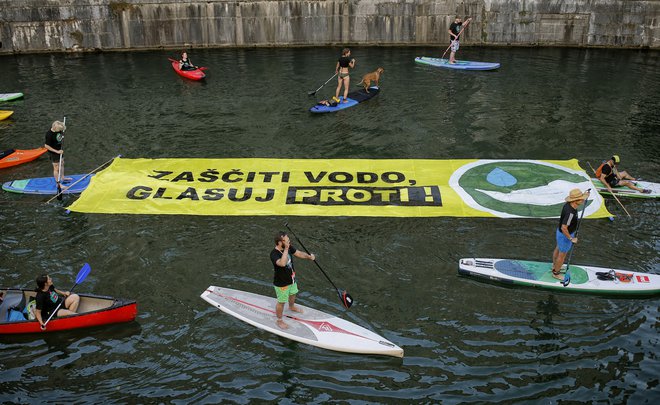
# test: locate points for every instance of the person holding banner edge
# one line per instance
(284, 279)
(565, 232)
(48, 299)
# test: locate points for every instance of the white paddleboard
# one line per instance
(623, 191)
(585, 279)
(312, 327)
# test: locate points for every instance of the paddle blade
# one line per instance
(59, 192)
(567, 279)
(203, 68)
(82, 274)
(346, 299)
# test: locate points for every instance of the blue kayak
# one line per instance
(459, 65)
(47, 185)
(354, 98)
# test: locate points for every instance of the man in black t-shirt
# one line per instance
(53, 143)
(454, 36)
(611, 177)
(565, 233)
(284, 278)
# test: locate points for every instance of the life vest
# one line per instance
(599, 171)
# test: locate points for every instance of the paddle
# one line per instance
(59, 168)
(567, 276)
(82, 275)
(83, 178)
(613, 193)
(311, 93)
(457, 36)
(344, 297)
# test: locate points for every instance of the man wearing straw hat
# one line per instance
(565, 234)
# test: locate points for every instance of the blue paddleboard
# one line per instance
(459, 65)
(354, 98)
(47, 185)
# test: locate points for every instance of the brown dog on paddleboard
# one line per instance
(371, 76)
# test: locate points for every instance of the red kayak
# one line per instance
(196, 74)
(94, 310)
(13, 157)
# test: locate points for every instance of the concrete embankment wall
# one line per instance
(57, 25)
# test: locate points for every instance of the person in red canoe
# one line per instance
(48, 298)
(185, 63)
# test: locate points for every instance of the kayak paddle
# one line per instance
(344, 297)
(82, 275)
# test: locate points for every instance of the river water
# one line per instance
(464, 341)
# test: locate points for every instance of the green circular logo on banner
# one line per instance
(520, 188)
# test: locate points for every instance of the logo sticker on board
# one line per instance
(520, 188)
(643, 279)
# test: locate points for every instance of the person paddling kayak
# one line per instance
(54, 138)
(185, 63)
(565, 232)
(48, 298)
(343, 64)
(454, 36)
(611, 177)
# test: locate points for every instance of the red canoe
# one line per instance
(18, 156)
(196, 74)
(94, 310)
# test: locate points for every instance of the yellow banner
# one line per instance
(338, 187)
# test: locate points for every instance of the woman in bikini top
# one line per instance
(343, 64)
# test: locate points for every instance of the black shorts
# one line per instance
(614, 182)
(54, 157)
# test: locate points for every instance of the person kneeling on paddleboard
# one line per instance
(185, 63)
(609, 175)
(455, 30)
(284, 279)
(565, 233)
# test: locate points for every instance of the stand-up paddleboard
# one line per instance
(354, 98)
(459, 65)
(4, 114)
(623, 191)
(13, 157)
(196, 74)
(311, 327)
(47, 185)
(583, 279)
(10, 96)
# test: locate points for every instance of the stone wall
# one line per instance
(56, 25)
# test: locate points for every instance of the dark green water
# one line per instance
(464, 341)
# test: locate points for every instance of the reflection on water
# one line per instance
(464, 340)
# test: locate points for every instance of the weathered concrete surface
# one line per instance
(49, 25)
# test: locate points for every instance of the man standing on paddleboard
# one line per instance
(284, 280)
(565, 233)
(53, 143)
(455, 30)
